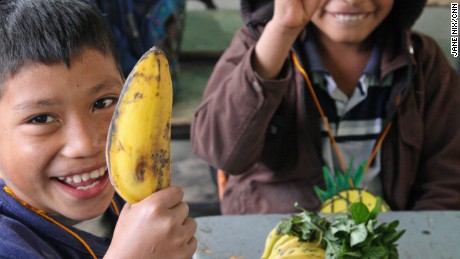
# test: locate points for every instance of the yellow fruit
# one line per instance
(294, 247)
(288, 246)
(301, 252)
(340, 202)
(272, 238)
(138, 144)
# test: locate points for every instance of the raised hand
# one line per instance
(156, 227)
(289, 18)
(294, 14)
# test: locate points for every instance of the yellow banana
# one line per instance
(291, 243)
(138, 144)
(272, 238)
(292, 247)
(279, 247)
(272, 243)
(302, 252)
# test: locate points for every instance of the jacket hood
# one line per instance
(256, 11)
(403, 15)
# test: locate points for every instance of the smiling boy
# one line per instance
(307, 84)
(60, 81)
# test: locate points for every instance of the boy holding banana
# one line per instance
(312, 83)
(59, 83)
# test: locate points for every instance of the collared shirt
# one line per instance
(357, 121)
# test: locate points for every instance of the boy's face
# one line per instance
(350, 21)
(53, 134)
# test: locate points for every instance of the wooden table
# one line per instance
(429, 234)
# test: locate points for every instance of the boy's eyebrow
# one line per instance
(34, 104)
(106, 85)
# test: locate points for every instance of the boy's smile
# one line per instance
(85, 185)
(53, 134)
(350, 21)
(84, 181)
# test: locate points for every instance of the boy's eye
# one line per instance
(104, 103)
(41, 119)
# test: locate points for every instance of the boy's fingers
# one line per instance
(190, 226)
(181, 210)
(192, 244)
(167, 198)
(189, 230)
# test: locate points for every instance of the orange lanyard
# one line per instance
(328, 128)
(43, 214)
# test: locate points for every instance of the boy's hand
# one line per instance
(156, 227)
(289, 19)
(294, 14)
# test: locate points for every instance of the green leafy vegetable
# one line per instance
(351, 235)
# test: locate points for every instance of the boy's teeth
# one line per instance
(94, 174)
(348, 17)
(78, 178)
(88, 186)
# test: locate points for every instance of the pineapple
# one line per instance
(341, 193)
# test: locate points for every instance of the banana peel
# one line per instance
(138, 144)
(284, 246)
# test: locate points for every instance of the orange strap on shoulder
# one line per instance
(221, 182)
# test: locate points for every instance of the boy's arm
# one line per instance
(246, 88)
(156, 227)
(289, 18)
(228, 130)
(437, 184)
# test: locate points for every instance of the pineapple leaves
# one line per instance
(339, 181)
(357, 177)
(331, 186)
(322, 195)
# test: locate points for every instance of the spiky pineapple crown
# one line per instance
(342, 181)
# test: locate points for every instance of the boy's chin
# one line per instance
(88, 210)
(351, 39)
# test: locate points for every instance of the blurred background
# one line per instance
(206, 34)
(194, 33)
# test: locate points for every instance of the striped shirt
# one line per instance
(357, 121)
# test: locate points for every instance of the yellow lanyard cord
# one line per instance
(115, 208)
(328, 128)
(43, 214)
(321, 112)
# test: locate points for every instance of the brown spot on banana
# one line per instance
(167, 131)
(160, 159)
(120, 146)
(136, 97)
(140, 170)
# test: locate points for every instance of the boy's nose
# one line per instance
(84, 139)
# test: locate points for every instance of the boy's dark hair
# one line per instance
(49, 32)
